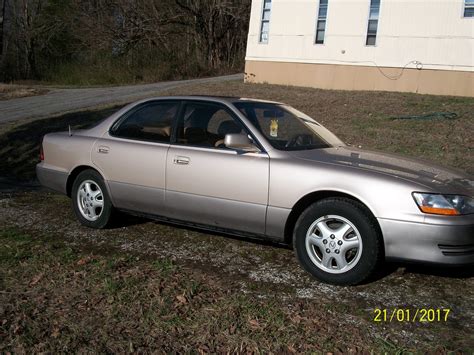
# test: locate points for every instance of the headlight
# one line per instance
(451, 205)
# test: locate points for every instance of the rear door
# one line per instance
(132, 156)
(208, 183)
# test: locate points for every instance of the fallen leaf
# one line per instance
(254, 323)
(296, 319)
(84, 261)
(36, 279)
(55, 333)
(181, 299)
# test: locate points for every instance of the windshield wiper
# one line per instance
(309, 147)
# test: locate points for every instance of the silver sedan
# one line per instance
(263, 169)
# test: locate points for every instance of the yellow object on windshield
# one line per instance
(274, 128)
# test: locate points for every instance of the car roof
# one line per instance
(221, 99)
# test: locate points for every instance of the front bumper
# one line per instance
(450, 242)
(53, 179)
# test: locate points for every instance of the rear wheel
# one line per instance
(337, 240)
(91, 201)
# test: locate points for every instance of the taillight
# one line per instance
(41, 151)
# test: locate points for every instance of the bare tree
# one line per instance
(23, 15)
(3, 6)
(186, 37)
(219, 26)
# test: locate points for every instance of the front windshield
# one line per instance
(287, 128)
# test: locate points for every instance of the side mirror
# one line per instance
(240, 141)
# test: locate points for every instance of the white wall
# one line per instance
(432, 32)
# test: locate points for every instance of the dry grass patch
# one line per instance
(11, 91)
(155, 287)
(57, 299)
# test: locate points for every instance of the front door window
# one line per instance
(206, 124)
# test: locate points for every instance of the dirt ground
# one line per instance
(149, 286)
(144, 286)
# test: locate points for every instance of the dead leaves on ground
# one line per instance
(37, 278)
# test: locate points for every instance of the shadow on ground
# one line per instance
(19, 152)
(125, 220)
(452, 272)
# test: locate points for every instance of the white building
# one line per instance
(424, 46)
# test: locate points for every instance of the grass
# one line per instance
(359, 118)
(61, 293)
(103, 70)
(107, 73)
(67, 288)
(57, 299)
(10, 91)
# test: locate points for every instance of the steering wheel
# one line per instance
(299, 140)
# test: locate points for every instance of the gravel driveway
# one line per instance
(58, 101)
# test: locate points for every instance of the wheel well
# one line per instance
(73, 175)
(308, 200)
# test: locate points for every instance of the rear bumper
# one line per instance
(53, 179)
(449, 243)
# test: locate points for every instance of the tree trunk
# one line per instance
(2, 26)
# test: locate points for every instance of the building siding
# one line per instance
(413, 36)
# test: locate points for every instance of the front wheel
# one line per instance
(90, 200)
(338, 241)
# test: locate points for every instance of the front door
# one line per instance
(206, 182)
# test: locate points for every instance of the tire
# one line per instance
(338, 241)
(90, 200)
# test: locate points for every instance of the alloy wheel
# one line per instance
(333, 244)
(90, 200)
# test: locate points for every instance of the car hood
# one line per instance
(432, 176)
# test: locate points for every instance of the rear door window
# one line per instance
(151, 122)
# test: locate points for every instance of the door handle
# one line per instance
(103, 149)
(181, 160)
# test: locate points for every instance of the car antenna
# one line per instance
(70, 131)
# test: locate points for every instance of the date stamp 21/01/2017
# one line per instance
(422, 315)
